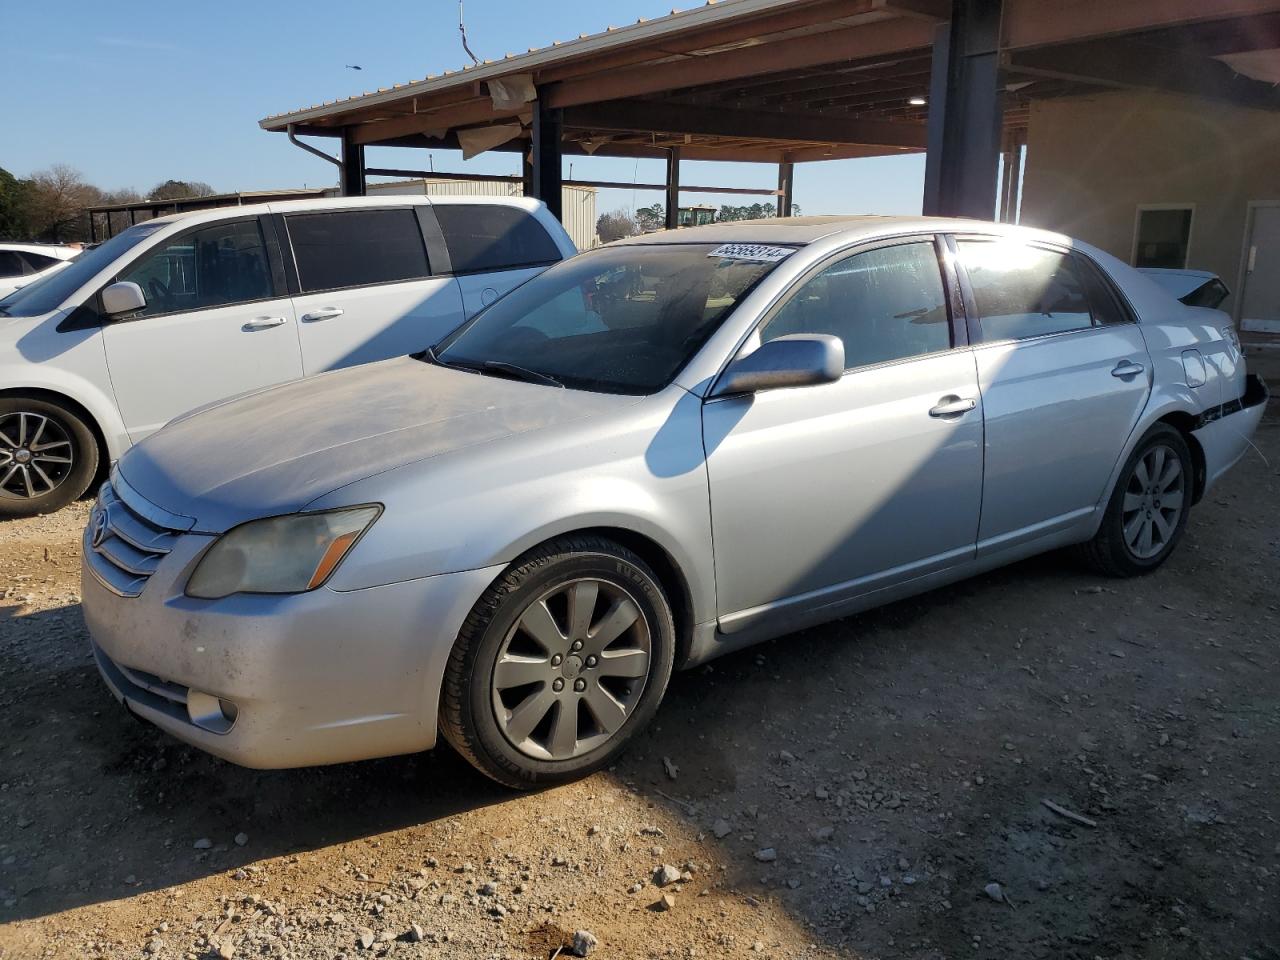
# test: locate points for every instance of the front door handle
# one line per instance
(264, 323)
(953, 406)
(324, 313)
(1127, 368)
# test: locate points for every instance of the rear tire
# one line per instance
(561, 662)
(1147, 513)
(48, 457)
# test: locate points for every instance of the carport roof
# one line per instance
(788, 80)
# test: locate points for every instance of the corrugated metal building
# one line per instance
(579, 215)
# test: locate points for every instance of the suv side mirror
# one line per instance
(798, 360)
(122, 298)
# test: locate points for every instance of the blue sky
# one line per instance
(134, 92)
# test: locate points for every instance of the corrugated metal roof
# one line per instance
(711, 12)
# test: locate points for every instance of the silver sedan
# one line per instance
(651, 454)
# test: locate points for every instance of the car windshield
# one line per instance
(49, 293)
(616, 320)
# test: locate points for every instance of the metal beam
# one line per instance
(786, 188)
(964, 113)
(351, 173)
(667, 117)
(673, 188)
(548, 157)
(1034, 23)
(1135, 65)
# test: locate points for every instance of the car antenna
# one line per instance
(462, 29)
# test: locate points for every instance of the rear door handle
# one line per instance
(1127, 368)
(953, 406)
(264, 323)
(324, 313)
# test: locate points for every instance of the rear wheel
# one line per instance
(1148, 510)
(561, 662)
(48, 457)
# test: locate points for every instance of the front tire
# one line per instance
(1147, 513)
(561, 662)
(48, 457)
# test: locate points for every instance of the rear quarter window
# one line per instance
(483, 237)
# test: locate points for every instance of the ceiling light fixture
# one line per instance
(917, 101)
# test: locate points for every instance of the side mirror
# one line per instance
(122, 298)
(799, 360)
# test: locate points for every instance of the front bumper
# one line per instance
(1227, 431)
(280, 681)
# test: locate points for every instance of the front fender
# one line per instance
(73, 366)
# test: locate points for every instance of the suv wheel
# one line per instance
(1148, 510)
(561, 662)
(48, 457)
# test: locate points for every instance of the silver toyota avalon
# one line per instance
(651, 454)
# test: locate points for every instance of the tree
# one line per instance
(179, 190)
(14, 207)
(56, 199)
(653, 217)
(615, 225)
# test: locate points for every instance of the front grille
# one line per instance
(123, 547)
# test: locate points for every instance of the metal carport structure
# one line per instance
(789, 81)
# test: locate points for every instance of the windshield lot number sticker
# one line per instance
(760, 252)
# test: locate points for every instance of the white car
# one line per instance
(183, 311)
(24, 263)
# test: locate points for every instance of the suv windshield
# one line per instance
(49, 293)
(617, 320)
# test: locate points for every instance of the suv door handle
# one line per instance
(324, 313)
(953, 406)
(264, 323)
(1127, 368)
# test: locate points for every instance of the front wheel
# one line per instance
(561, 662)
(48, 457)
(1148, 510)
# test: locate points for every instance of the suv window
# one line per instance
(356, 248)
(38, 261)
(484, 237)
(1022, 291)
(213, 266)
(11, 265)
(885, 304)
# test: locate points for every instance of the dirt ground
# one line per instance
(850, 791)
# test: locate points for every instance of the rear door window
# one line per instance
(355, 248)
(1023, 291)
(214, 266)
(483, 237)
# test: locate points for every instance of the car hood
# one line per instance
(277, 450)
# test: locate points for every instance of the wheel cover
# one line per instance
(572, 670)
(36, 455)
(1153, 501)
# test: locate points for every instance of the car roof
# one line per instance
(339, 203)
(56, 250)
(806, 230)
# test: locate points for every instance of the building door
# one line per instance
(1260, 298)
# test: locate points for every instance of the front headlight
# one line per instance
(290, 554)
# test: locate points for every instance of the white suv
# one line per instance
(24, 263)
(183, 311)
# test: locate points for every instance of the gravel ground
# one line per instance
(871, 788)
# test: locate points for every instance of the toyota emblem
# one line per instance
(99, 530)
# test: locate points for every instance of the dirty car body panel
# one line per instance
(943, 449)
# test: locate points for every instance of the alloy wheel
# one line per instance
(36, 455)
(572, 669)
(1153, 502)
